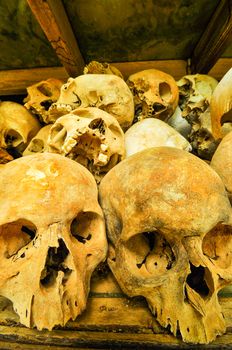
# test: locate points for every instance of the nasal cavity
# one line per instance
(54, 263)
(196, 280)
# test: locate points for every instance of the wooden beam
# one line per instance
(176, 68)
(220, 68)
(214, 39)
(15, 82)
(53, 20)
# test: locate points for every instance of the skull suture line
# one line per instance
(167, 217)
(51, 239)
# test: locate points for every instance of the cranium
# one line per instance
(195, 95)
(222, 162)
(17, 126)
(89, 136)
(151, 132)
(167, 217)
(221, 104)
(39, 143)
(41, 96)
(107, 92)
(155, 94)
(51, 239)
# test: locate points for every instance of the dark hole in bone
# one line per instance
(54, 263)
(227, 117)
(157, 107)
(165, 91)
(83, 226)
(46, 104)
(98, 123)
(29, 231)
(17, 235)
(12, 137)
(196, 280)
(152, 245)
(45, 90)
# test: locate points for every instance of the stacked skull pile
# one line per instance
(167, 213)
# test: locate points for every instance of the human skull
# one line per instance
(89, 136)
(17, 126)
(167, 217)
(195, 95)
(39, 143)
(52, 237)
(222, 162)
(41, 96)
(105, 91)
(155, 94)
(221, 105)
(151, 132)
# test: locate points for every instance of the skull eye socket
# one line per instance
(36, 145)
(83, 227)
(151, 253)
(217, 246)
(13, 138)
(16, 235)
(165, 91)
(58, 135)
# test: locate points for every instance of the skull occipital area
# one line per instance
(52, 237)
(168, 222)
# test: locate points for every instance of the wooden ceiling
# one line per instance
(43, 38)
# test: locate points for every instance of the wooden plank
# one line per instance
(53, 20)
(15, 82)
(220, 68)
(176, 68)
(214, 39)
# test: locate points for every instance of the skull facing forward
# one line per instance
(167, 217)
(51, 239)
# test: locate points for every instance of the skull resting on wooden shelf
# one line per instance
(168, 222)
(52, 237)
(105, 91)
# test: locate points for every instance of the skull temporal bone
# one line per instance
(162, 206)
(51, 239)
